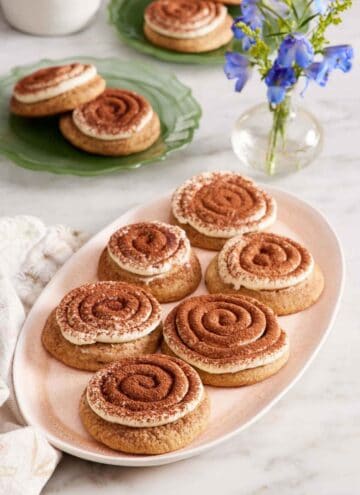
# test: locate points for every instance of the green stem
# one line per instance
(280, 115)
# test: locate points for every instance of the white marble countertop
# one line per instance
(310, 441)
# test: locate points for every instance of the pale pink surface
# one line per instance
(48, 392)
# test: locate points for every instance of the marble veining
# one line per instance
(310, 441)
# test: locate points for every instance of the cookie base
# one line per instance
(151, 440)
(221, 36)
(140, 141)
(239, 378)
(197, 239)
(61, 103)
(176, 284)
(93, 357)
(229, 2)
(282, 301)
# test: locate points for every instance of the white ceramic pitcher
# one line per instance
(49, 17)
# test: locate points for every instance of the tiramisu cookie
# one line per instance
(188, 25)
(274, 269)
(215, 206)
(146, 405)
(54, 90)
(153, 255)
(102, 322)
(230, 340)
(118, 122)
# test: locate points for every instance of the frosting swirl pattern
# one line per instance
(115, 114)
(264, 261)
(224, 334)
(149, 248)
(145, 391)
(109, 312)
(53, 81)
(184, 19)
(223, 204)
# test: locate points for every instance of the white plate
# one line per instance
(48, 392)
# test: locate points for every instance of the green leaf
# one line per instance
(282, 33)
(293, 8)
(306, 21)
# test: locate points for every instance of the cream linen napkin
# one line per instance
(30, 254)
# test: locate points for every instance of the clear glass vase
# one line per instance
(277, 140)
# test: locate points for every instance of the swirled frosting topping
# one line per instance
(110, 312)
(224, 334)
(223, 204)
(184, 19)
(264, 261)
(145, 391)
(49, 82)
(115, 114)
(149, 248)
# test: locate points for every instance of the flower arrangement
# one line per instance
(286, 41)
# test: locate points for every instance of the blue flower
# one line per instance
(321, 6)
(251, 14)
(318, 72)
(248, 4)
(295, 48)
(339, 57)
(252, 17)
(278, 80)
(335, 57)
(237, 67)
(240, 35)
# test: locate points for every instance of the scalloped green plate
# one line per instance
(127, 16)
(37, 144)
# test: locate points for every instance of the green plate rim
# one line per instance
(161, 53)
(28, 163)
